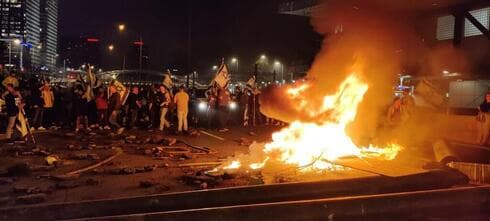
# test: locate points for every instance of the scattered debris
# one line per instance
(91, 167)
(200, 164)
(4, 172)
(6, 180)
(203, 186)
(92, 182)
(84, 156)
(203, 149)
(212, 135)
(194, 133)
(19, 169)
(130, 139)
(37, 168)
(159, 139)
(52, 159)
(65, 177)
(74, 147)
(24, 189)
(131, 170)
(156, 139)
(162, 188)
(244, 141)
(251, 133)
(31, 199)
(150, 168)
(200, 179)
(148, 183)
(67, 184)
(4, 200)
(128, 170)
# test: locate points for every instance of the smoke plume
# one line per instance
(376, 43)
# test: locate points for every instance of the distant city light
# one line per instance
(111, 47)
(121, 27)
(233, 105)
(17, 41)
(215, 67)
(263, 57)
(92, 40)
(202, 106)
(234, 60)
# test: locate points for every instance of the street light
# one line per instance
(215, 68)
(121, 27)
(17, 42)
(263, 57)
(110, 47)
(279, 65)
(235, 61)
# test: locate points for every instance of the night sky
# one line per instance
(220, 28)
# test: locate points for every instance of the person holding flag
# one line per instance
(167, 82)
(164, 100)
(221, 81)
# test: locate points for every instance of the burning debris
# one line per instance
(314, 145)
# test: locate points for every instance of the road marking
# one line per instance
(212, 135)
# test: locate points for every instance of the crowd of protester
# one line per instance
(152, 108)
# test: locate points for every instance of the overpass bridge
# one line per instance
(144, 77)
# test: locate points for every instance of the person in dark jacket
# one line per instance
(12, 99)
(81, 110)
(134, 106)
(114, 108)
(36, 108)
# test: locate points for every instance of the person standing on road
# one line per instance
(114, 108)
(134, 106)
(182, 101)
(212, 96)
(164, 101)
(81, 110)
(223, 107)
(11, 99)
(36, 108)
(48, 104)
(483, 120)
(101, 104)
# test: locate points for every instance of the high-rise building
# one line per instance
(29, 30)
(138, 56)
(76, 51)
(49, 33)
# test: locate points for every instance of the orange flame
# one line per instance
(316, 145)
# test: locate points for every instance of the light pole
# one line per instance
(279, 64)
(121, 27)
(18, 43)
(235, 61)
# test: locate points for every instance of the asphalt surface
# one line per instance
(105, 182)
